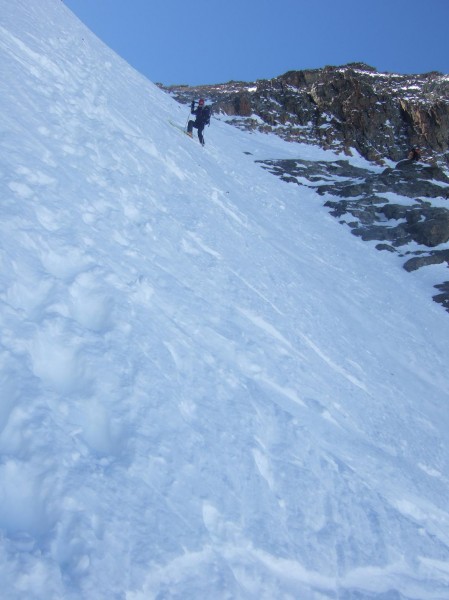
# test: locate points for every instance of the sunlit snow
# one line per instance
(209, 389)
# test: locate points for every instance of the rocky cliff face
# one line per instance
(403, 206)
(381, 115)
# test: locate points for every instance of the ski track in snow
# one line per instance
(208, 389)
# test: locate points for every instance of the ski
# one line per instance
(178, 127)
(181, 129)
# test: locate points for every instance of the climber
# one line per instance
(414, 154)
(202, 114)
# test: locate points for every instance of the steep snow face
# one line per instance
(208, 388)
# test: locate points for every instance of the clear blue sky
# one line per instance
(214, 41)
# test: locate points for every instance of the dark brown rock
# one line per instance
(381, 115)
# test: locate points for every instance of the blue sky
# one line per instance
(214, 41)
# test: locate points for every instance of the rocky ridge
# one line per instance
(403, 206)
(380, 115)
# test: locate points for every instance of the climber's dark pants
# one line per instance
(200, 128)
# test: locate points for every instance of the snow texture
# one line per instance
(208, 388)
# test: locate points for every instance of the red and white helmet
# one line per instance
(201, 101)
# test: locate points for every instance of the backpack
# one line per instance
(206, 115)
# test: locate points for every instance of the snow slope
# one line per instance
(208, 388)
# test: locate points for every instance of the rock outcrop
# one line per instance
(363, 199)
(381, 115)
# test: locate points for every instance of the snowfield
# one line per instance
(208, 388)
